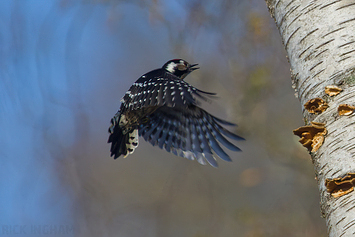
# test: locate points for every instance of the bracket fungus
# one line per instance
(345, 109)
(340, 186)
(332, 90)
(312, 136)
(316, 106)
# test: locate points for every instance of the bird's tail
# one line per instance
(121, 144)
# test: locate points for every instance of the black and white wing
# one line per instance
(158, 88)
(189, 132)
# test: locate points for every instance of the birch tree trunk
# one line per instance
(319, 37)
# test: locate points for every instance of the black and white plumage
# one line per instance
(162, 108)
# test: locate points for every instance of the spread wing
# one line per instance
(158, 88)
(190, 132)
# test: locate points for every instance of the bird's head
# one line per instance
(179, 68)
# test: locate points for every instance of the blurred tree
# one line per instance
(64, 66)
(319, 40)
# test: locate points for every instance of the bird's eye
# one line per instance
(181, 67)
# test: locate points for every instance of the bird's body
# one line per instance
(162, 108)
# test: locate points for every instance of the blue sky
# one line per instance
(57, 59)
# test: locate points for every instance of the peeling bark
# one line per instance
(319, 37)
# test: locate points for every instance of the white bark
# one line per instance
(319, 37)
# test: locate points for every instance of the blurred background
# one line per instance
(65, 65)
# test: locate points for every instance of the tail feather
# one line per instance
(117, 139)
(122, 144)
(132, 141)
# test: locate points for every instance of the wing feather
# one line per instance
(161, 89)
(191, 133)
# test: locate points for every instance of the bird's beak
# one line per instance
(193, 67)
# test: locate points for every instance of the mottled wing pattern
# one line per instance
(162, 89)
(189, 132)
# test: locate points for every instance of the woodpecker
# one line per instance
(164, 109)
